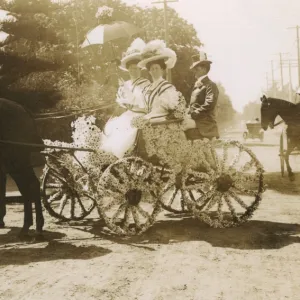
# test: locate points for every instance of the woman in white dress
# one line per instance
(119, 136)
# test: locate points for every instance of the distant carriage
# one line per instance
(253, 131)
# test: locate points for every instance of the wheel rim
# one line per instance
(61, 200)
(232, 188)
(128, 195)
(281, 154)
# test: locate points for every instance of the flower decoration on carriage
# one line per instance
(156, 50)
(104, 12)
(180, 109)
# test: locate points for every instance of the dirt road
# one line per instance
(178, 258)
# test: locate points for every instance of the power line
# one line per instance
(298, 50)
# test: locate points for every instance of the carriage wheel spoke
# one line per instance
(143, 212)
(118, 212)
(136, 217)
(231, 208)
(225, 156)
(113, 202)
(212, 202)
(247, 166)
(236, 160)
(237, 199)
(54, 186)
(127, 217)
(215, 159)
(72, 208)
(83, 210)
(55, 196)
(245, 177)
(63, 203)
(220, 205)
(245, 191)
(57, 175)
(173, 197)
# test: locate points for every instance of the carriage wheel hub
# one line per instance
(133, 197)
(224, 183)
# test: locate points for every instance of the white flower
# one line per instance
(104, 11)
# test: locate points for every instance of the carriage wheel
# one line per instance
(281, 155)
(128, 195)
(172, 198)
(232, 187)
(63, 196)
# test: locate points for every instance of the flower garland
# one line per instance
(85, 135)
(213, 196)
(104, 12)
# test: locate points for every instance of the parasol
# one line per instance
(109, 32)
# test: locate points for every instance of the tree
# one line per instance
(226, 114)
(28, 56)
(251, 111)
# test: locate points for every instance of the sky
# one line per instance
(241, 37)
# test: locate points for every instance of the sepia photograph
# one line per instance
(149, 150)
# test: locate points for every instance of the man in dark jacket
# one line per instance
(202, 110)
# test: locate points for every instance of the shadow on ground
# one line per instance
(251, 235)
(51, 250)
(54, 247)
(282, 185)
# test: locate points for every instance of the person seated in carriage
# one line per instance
(140, 97)
(119, 135)
(160, 97)
(203, 103)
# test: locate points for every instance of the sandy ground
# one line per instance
(177, 258)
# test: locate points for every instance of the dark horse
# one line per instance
(17, 124)
(290, 114)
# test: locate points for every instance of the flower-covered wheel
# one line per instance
(173, 199)
(232, 185)
(66, 196)
(128, 195)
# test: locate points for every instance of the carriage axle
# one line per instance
(224, 183)
(133, 197)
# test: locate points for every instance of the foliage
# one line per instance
(226, 114)
(43, 65)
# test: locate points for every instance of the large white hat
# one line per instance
(133, 52)
(156, 50)
(199, 59)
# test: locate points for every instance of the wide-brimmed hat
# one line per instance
(157, 50)
(199, 59)
(133, 53)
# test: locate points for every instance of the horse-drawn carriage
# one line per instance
(253, 131)
(219, 182)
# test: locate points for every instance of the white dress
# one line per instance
(118, 135)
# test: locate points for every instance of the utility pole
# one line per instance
(165, 2)
(267, 81)
(281, 70)
(281, 73)
(298, 51)
(290, 82)
(273, 82)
